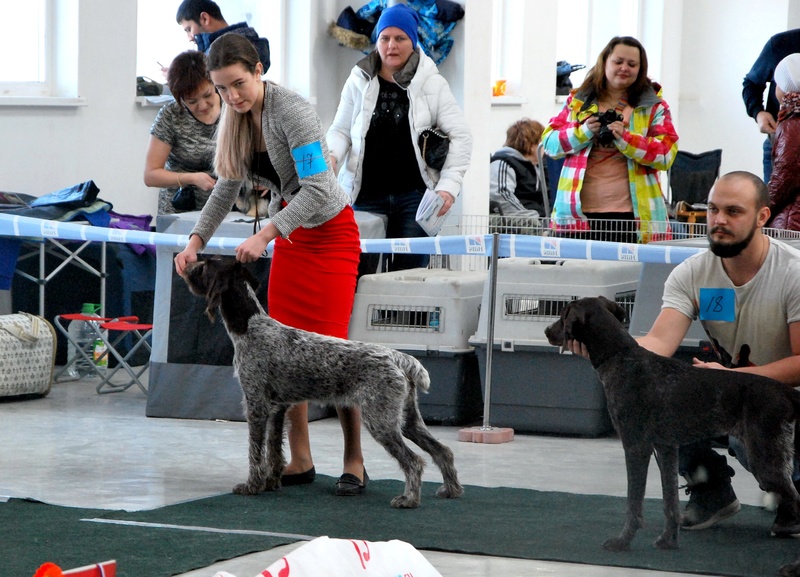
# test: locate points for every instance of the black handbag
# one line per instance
(183, 200)
(434, 146)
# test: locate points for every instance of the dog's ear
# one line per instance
(216, 282)
(614, 307)
(248, 276)
(572, 316)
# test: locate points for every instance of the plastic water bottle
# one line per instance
(100, 355)
(82, 333)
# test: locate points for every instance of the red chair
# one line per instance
(141, 333)
(103, 327)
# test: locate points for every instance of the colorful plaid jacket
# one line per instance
(649, 145)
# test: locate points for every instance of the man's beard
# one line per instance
(729, 250)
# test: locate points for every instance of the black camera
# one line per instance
(604, 135)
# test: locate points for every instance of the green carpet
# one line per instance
(503, 522)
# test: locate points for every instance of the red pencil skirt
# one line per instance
(313, 275)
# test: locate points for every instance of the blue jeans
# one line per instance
(736, 447)
(401, 210)
(698, 453)
(767, 159)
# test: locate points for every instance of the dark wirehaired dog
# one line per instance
(658, 403)
(278, 366)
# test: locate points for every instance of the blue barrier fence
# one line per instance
(509, 245)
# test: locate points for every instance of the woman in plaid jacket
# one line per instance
(615, 134)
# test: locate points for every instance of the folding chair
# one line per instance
(691, 177)
(102, 328)
(141, 333)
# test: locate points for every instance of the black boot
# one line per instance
(711, 497)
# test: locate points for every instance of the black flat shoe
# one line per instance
(303, 478)
(349, 485)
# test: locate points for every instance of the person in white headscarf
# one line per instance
(784, 184)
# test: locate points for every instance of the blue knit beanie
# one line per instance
(402, 17)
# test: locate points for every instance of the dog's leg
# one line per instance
(275, 460)
(769, 442)
(667, 459)
(415, 430)
(384, 426)
(637, 459)
(256, 426)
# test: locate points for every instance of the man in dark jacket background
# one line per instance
(755, 82)
(203, 23)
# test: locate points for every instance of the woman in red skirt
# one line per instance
(273, 137)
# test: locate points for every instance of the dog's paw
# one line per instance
(790, 570)
(405, 502)
(272, 484)
(616, 544)
(665, 543)
(245, 489)
(450, 492)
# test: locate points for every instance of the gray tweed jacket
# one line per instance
(308, 185)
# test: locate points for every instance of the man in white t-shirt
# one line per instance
(746, 293)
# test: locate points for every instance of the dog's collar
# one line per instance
(602, 361)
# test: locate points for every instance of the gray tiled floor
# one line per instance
(107, 454)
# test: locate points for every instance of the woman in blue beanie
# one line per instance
(392, 94)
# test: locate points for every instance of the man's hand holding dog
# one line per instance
(703, 365)
(576, 348)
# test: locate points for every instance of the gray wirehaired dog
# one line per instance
(278, 366)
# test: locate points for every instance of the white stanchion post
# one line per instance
(487, 433)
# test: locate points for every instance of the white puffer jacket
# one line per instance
(431, 105)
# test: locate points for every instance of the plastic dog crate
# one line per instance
(534, 387)
(430, 314)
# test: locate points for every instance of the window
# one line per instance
(40, 54)
(160, 38)
(507, 35)
(26, 72)
(586, 26)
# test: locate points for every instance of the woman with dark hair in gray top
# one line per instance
(181, 148)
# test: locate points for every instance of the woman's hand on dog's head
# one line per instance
(255, 246)
(188, 254)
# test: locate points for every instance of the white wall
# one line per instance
(707, 46)
(44, 149)
(720, 40)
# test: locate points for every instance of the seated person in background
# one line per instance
(514, 184)
(182, 138)
(203, 23)
(784, 184)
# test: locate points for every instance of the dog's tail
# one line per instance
(416, 374)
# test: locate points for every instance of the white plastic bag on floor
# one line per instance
(324, 557)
